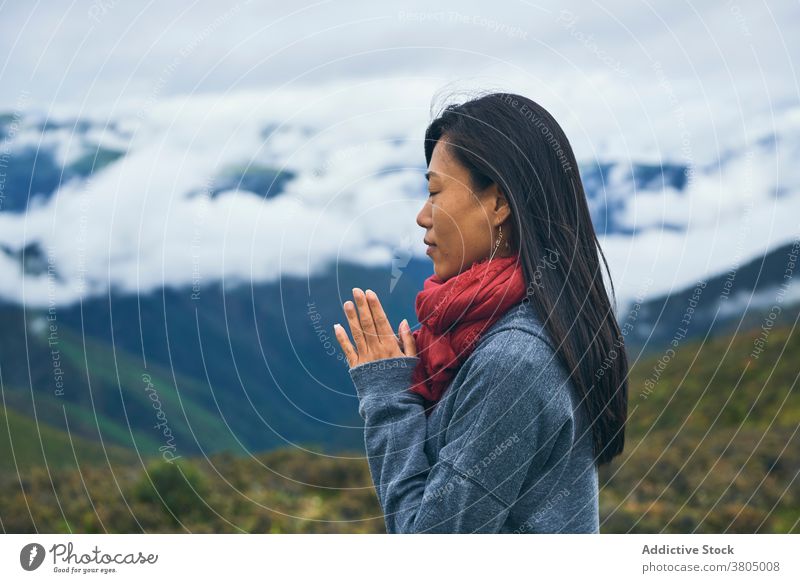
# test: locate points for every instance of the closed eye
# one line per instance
(432, 193)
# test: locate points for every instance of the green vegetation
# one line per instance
(280, 491)
(106, 395)
(41, 445)
(178, 488)
(713, 446)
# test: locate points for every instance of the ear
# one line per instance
(497, 204)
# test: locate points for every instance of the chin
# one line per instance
(441, 273)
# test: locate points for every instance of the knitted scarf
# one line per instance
(455, 313)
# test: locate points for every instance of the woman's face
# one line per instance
(459, 223)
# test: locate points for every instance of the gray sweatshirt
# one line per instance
(505, 450)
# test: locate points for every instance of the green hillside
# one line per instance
(711, 447)
(104, 397)
(25, 444)
(714, 444)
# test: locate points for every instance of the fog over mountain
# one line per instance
(233, 147)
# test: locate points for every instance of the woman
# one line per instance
(494, 415)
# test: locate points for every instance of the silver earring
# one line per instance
(497, 244)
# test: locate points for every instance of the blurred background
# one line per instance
(189, 191)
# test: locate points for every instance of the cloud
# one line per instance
(97, 52)
(340, 95)
(147, 221)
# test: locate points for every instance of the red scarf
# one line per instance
(453, 315)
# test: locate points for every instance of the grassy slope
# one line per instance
(715, 445)
(110, 400)
(709, 450)
(25, 444)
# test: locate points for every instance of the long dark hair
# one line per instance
(515, 143)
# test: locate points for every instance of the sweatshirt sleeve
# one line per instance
(510, 409)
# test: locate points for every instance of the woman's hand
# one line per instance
(372, 332)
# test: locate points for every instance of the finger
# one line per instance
(348, 349)
(365, 318)
(355, 328)
(382, 324)
(409, 344)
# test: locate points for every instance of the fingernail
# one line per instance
(404, 323)
(336, 326)
(370, 292)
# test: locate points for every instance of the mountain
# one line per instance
(27, 444)
(241, 369)
(761, 292)
(245, 360)
(712, 446)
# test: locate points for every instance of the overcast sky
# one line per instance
(102, 51)
(350, 85)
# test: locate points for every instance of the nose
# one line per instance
(424, 216)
